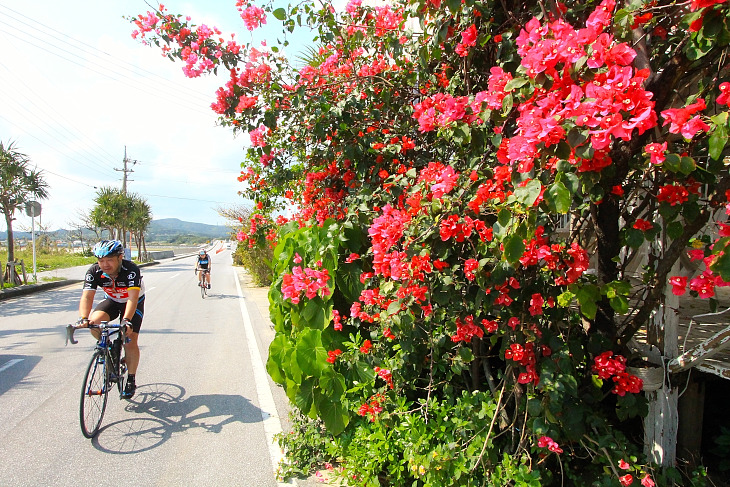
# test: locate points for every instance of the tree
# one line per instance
(117, 212)
(429, 307)
(138, 222)
(19, 183)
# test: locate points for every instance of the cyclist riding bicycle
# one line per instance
(203, 263)
(121, 281)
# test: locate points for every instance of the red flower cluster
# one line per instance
(525, 356)
(372, 407)
(466, 330)
(606, 366)
(549, 443)
(332, 355)
(386, 375)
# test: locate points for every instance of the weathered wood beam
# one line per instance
(701, 352)
(720, 370)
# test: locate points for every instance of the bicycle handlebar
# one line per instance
(104, 325)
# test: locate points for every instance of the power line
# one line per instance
(93, 51)
(51, 135)
(32, 102)
(135, 83)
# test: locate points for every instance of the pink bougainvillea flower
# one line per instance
(679, 285)
(626, 480)
(549, 443)
(656, 152)
(681, 120)
(704, 284)
(724, 95)
(646, 481)
(252, 16)
(724, 230)
(623, 465)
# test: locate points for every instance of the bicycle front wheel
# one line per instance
(203, 289)
(94, 393)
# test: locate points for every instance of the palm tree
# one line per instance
(138, 221)
(117, 212)
(18, 184)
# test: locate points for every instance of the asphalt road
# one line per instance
(204, 411)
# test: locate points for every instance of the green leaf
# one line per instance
(672, 162)
(504, 217)
(332, 384)
(515, 83)
(311, 355)
(565, 299)
(528, 194)
(279, 13)
(675, 230)
(558, 197)
(722, 266)
(333, 413)
(634, 238)
(718, 141)
(514, 247)
(588, 296)
(686, 165)
(620, 304)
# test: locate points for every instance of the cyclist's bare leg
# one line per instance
(131, 352)
(96, 318)
(207, 278)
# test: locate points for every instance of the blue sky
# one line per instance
(77, 91)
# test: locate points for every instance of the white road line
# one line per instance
(173, 277)
(10, 363)
(271, 421)
(150, 288)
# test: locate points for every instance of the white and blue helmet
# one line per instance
(108, 247)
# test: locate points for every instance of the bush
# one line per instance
(256, 262)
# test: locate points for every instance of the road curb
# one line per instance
(34, 288)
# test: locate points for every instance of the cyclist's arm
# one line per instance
(131, 306)
(86, 302)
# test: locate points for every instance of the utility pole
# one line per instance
(126, 169)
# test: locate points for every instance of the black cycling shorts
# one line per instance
(115, 309)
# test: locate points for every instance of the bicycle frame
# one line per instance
(104, 369)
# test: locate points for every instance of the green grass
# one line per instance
(47, 261)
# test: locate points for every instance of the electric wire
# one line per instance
(29, 118)
(135, 84)
(93, 50)
(52, 148)
(63, 125)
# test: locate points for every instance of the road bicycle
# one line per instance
(105, 369)
(202, 284)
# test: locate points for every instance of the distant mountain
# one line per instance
(170, 230)
(173, 228)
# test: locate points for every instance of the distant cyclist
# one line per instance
(123, 288)
(203, 264)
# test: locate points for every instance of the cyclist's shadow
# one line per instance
(162, 410)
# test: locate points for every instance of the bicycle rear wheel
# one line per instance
(94, 393)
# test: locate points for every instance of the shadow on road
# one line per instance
(162, 410)
(41, 301)
(213, 295)
(14, 369)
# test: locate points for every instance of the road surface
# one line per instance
(204, 411)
